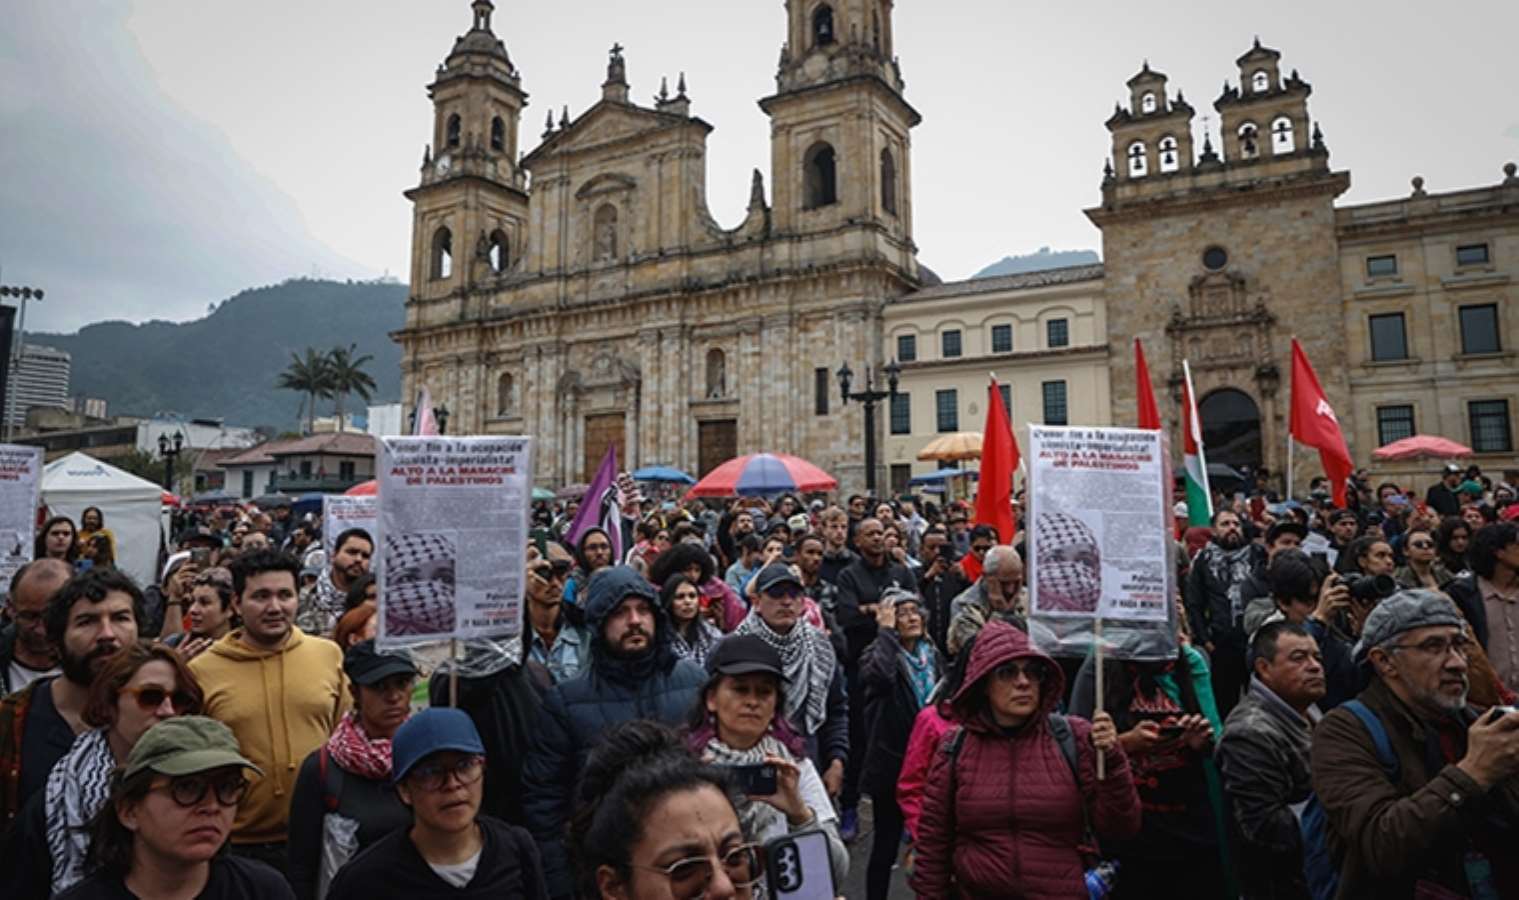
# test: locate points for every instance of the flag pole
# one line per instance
(1289, 464)
(1097, 637)
(453, 672)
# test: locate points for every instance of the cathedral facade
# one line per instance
(582, 293)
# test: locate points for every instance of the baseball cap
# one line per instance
(1470, 487)
(1453, 469)
(1341, 515)
(775, 575)
(1286, 526)
(198, 534)
(1180, 511)
(797, 522)
(364, 664)
(432, 731)
(185, 745)
(741, 654)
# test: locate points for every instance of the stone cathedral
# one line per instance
(582, 292)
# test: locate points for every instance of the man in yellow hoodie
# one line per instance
(281, 691)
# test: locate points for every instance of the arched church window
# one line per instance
(888, 181)
(875, 30)
(1260, 82)
(442, 265)
(455, 124)
(1248, 137)
(1282, 139)
(822, 26)
(1139, 166)
(1147, 102)
(605, 226)
(820, 176)
(500, 256)
(717, 374)
(498, 134)
(506, 395)
(1170, 155)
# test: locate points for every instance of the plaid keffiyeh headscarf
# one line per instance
(1070, 565)
(419, 584)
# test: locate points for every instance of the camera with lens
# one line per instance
(1370, 588)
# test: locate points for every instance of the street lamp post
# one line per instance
(25, 294)
(870, 396)
(439, 414)
(169, 450)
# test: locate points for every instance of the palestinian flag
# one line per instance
(1199, 497)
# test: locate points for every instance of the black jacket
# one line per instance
(1443, 500)
(938, 594)
(392, 867)
(1210, 608)
(1463, 589)
(504, 707)
(861, 584)
(891, 708)
(372, 804)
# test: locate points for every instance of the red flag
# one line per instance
(999, 458)
(1149, 415)
(1313, 423)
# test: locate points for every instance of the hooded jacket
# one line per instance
(1007, 821)
(281, 704)
(658, 685)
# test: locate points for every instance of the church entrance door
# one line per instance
(717, 442)
(601, 430)
(1231, 428)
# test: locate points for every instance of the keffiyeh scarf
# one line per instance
(807, 661)
(358, 753)
(921, 669)
(78, 788)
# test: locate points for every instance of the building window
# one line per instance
(1260, 81)
(604, 228)
(820, 392)
(455, 125)
(1389, 340)
(346, 470)
(1215, 258)
(1490, 428)
(1381, 266)
(901, 414)
(901, 473)
(1394, 423)
(500, 257)
(888, 181)
(1472, 255)
(1147, 103)
(907, 347)
(1057, 332)
(506, 394)
(1002, 339)
(248, 484)
(1055, 410)
(305, 468)
(1139, 166)
(947, 410)
(442, 253)
(949, 344)
(822, 26)
(1479, 329)
(1006, 390)
(498, 134)
(1282, 140)
(820, 177)
(1170, 158)
(1248, 146)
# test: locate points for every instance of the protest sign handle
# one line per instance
(1097, 707)
(453, 673)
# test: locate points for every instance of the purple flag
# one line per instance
(599, 509)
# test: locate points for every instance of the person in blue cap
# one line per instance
(450, 850)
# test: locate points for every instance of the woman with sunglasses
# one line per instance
(142, 685)
(651, 822)
(170, 811)
(450, 852)
(1424, 568)
(1013, 792)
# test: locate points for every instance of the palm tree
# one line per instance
(310, 375)
(347, 373)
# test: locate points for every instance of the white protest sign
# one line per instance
(452, 537)
(20, 489)
(341, 512)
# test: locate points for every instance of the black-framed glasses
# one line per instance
(152, 696)
(433, 776)
(690, 877)
(190, 790)
(1439, 647)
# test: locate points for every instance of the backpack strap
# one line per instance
(331, 778)
(1379, 738)
(952, 747)
(1060, 730)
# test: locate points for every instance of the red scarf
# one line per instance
(356, 752)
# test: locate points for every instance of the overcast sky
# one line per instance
(158, 155)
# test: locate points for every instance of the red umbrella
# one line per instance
(763, 473)
(1421, 446)
(169, 499)
(364, 489)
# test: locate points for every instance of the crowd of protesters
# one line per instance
(1335, 721)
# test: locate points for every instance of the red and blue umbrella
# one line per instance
(763, 473)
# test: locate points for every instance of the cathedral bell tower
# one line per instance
(840, 129)
(470, 207)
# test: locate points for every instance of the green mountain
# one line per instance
(1036, 262)
(225, 365)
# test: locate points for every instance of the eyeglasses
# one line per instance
(689, 878)
(1421, 545)
(1011, 671)
(190, 790)
(434, 776)
(1439, 647)
(151, 697)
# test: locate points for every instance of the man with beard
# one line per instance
(1427, 807)
(88, 620)
(25, 652)
(322, 604)
(632, 672)
(1215, 607)
(834, 526)
(280, 690)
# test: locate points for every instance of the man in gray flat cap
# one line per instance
(1418, 786)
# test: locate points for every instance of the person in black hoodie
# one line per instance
(450, 850)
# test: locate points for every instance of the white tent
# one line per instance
(129, 504)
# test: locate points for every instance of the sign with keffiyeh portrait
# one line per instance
(1099, 529)
(452, 536)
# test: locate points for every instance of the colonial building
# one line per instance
(584, 294)
(1044, 335)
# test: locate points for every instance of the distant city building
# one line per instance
(330, 463)
(386, 419)
(42, 379)
(90, 407)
